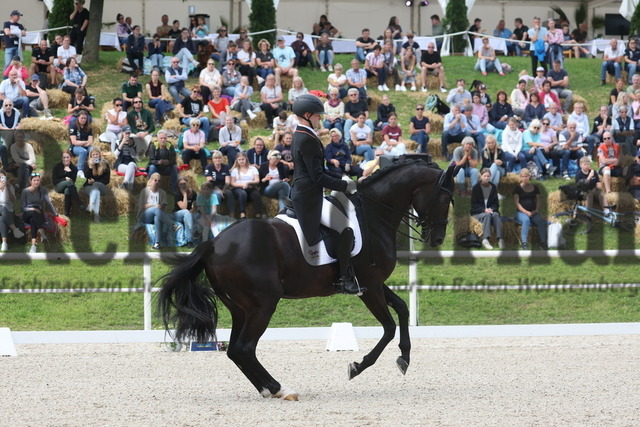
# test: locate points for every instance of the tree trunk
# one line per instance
(92, 47)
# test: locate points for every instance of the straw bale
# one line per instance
(105, 107)
(140, 235)
(51, 128)
(508, 183)
(557, 202)
(611, 79)
(105, 147)
(245, 130)
(63, 232)
(173, 124)
(139, 182)
(57, 199)
(466, 224)
(436, 122)
(325, 139)
(109, 157)
(433, 148)
(578, 98)
(624, 201)
(617, 185)
(118, 202)
(637, 232)
(374, 101)
(97, 127)
(433, 82)
(260, 122)
(286, 83)
(270, 206)
(626, 160)
(37, 146)
(356, 160)
(377, 138)
(411, 145)
(58, 98)
(511, 234)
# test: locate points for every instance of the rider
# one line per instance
(309, 180)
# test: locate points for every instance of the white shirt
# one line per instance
(611, 54)
(274, 174)
(242, 177)
(66, 53)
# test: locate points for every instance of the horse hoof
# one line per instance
(352, 370)
(291, 397)
(287, 394)
(402, 365)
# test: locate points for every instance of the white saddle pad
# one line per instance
(334, 219)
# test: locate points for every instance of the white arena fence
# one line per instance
(413, 286)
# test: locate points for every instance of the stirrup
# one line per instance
(349, 285)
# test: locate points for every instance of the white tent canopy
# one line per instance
(628, 7)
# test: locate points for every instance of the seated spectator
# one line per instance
(338, 80)
(42, 63)
(183, 49)
(475, 28)
(65, 52)
(192, 107)
(159, 99)
(16, 64)
(420, 128)
(152, 205)
(474, 127)
(81, 139)
(494, 159)
(64, 181)
(228, 55)
(176, 78)
(193, 142)
(601, 123)
(480, 110)
(396, 31)
(126, 158)
(364, 45)
(334, 111)
(485, 207)
(624, 100)
(122, 29)
(265, 62)
(361, 136)
(551, 149)
(392, 143)
(142, 126)
(24, 160)
(454, 129)
(207, 204)
(623, 130)
(632, 178)
(9, 122)
(33, 200)
(588, 178)
(80, 102)
(285, 148)
(245, 180)
(352, 110)
(527, 199)
(357, 78)
(135, 50)
(466, 158)
(555, 118)
(57, 42)
(579, 36)
(412, 44)
(116, 119)
(501, 111)
(242, 99)
(559, 80)
(520, 34)
(13, 89)
(384, 111)
(201, 30)
(7, 201)
(258, 154)
(338, 156)
(631, 58)
(218, 107)
(609, 160)
(162, 159)
(547, 96)
(375, 66)
(512, 143)
(520, 98)
(285, 60)
(297, 89)
(230, 138)
(324, 53)
(635, 85)
(130, 89)
(458, 94)
(174, 33)
(280, 126)
(230, 78)
(534, 109)
(271, 98)
(74, 77)
(408, 72)
(163, 30)
(612, 61)
(274, 178)
(185, 209)
(221, 43)
(243, 35)
(97, 174)
(487, 59)
(219, 175)
(155, 53)
(530, 152)
(38, 98)
(304, 54)
(582, 125)
(391, 63)
(247, 61)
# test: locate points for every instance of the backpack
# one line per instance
(431, 103)
(533, 168)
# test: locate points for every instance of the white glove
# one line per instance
(352, 186)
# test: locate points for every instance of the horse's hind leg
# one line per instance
(400, 307)
(377, 304)
(238, 320)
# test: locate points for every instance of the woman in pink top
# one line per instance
(555, 37)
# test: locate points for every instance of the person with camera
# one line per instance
(274, 178)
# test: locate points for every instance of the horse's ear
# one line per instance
(452, 171)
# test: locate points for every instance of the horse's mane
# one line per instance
(383, 172)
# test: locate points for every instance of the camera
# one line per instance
(96, 161)
(3, 178)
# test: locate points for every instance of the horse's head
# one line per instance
(432, 202)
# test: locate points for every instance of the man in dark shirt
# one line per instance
(352, 110)
(579, 35)
(219, 175)
(475, 28)
(631, 58)
(79, 22)
(42, 62)
(364, 45)
(431, 63)
(129, 90)
(11, 32)
(521, 33)
(559, 79)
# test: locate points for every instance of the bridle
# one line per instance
(428, 223)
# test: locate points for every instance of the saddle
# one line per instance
(336, 209)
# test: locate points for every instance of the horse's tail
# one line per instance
(187, 299)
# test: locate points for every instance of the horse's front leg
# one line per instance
(375, 301)
(400, 307)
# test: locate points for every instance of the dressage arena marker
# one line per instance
(342, 338)
(7, 348)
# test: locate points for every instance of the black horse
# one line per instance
(253, 264)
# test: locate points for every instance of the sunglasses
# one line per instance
(35, 174)
(196, 125)
(137, 102)
(223, 30)
(606, 139)
(196, 91)
(118, 105)
(243, 32)
(419, 109)
(546, 124)
(536, 127)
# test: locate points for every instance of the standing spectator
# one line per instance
(304, 54)
(274, 178)
(7, 201)
(66, 51)
(396, 31)
(142, 126)
(24, 159)
(487, 59)
(521, 34)
(271, 97)
(126, 158)
(155, 53)
(122, 29)
(392, 138)
(12, 32)
(437, 29)
(538, 37)
(420, 128)
(560, 84)
(98, 175)
(285, 60)
(458, 94)
(185, 209)
(64, 181)
(219, 175)
(609, 160)
(475, 28)
(244, 182)
(352, 110)
(163, 30)
(33, 200)
(555, 38)
(333, 111)
(364, 45)
(454, 129)
(73, 77)
(485, 207)
(116, 119)
(631, 58)
(612, 61)
(247, 61)
(81, 139)
(265, 62)
(192, 107)
(431, 63)
(357, 78)
(494, 160)
(230, 138)
(527, 199)
(130, 89)
(193, 142)
(504, 33)
(466, 158)
(42, 63)
(184, 48)
(324, 53)
(79, 22)
(151, 209)
(162, 159)
(13, 89)
(159, 99)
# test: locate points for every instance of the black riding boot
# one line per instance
(347, 282)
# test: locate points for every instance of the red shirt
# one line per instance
(612, 152)
(220, 106)
(394, 132)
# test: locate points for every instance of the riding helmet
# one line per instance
(307, 103)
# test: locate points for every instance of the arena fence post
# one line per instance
(146, 272)
(413, 283)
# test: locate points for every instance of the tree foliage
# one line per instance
(59, 17)
(634, 29)
(456, 21)
(262, 17)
